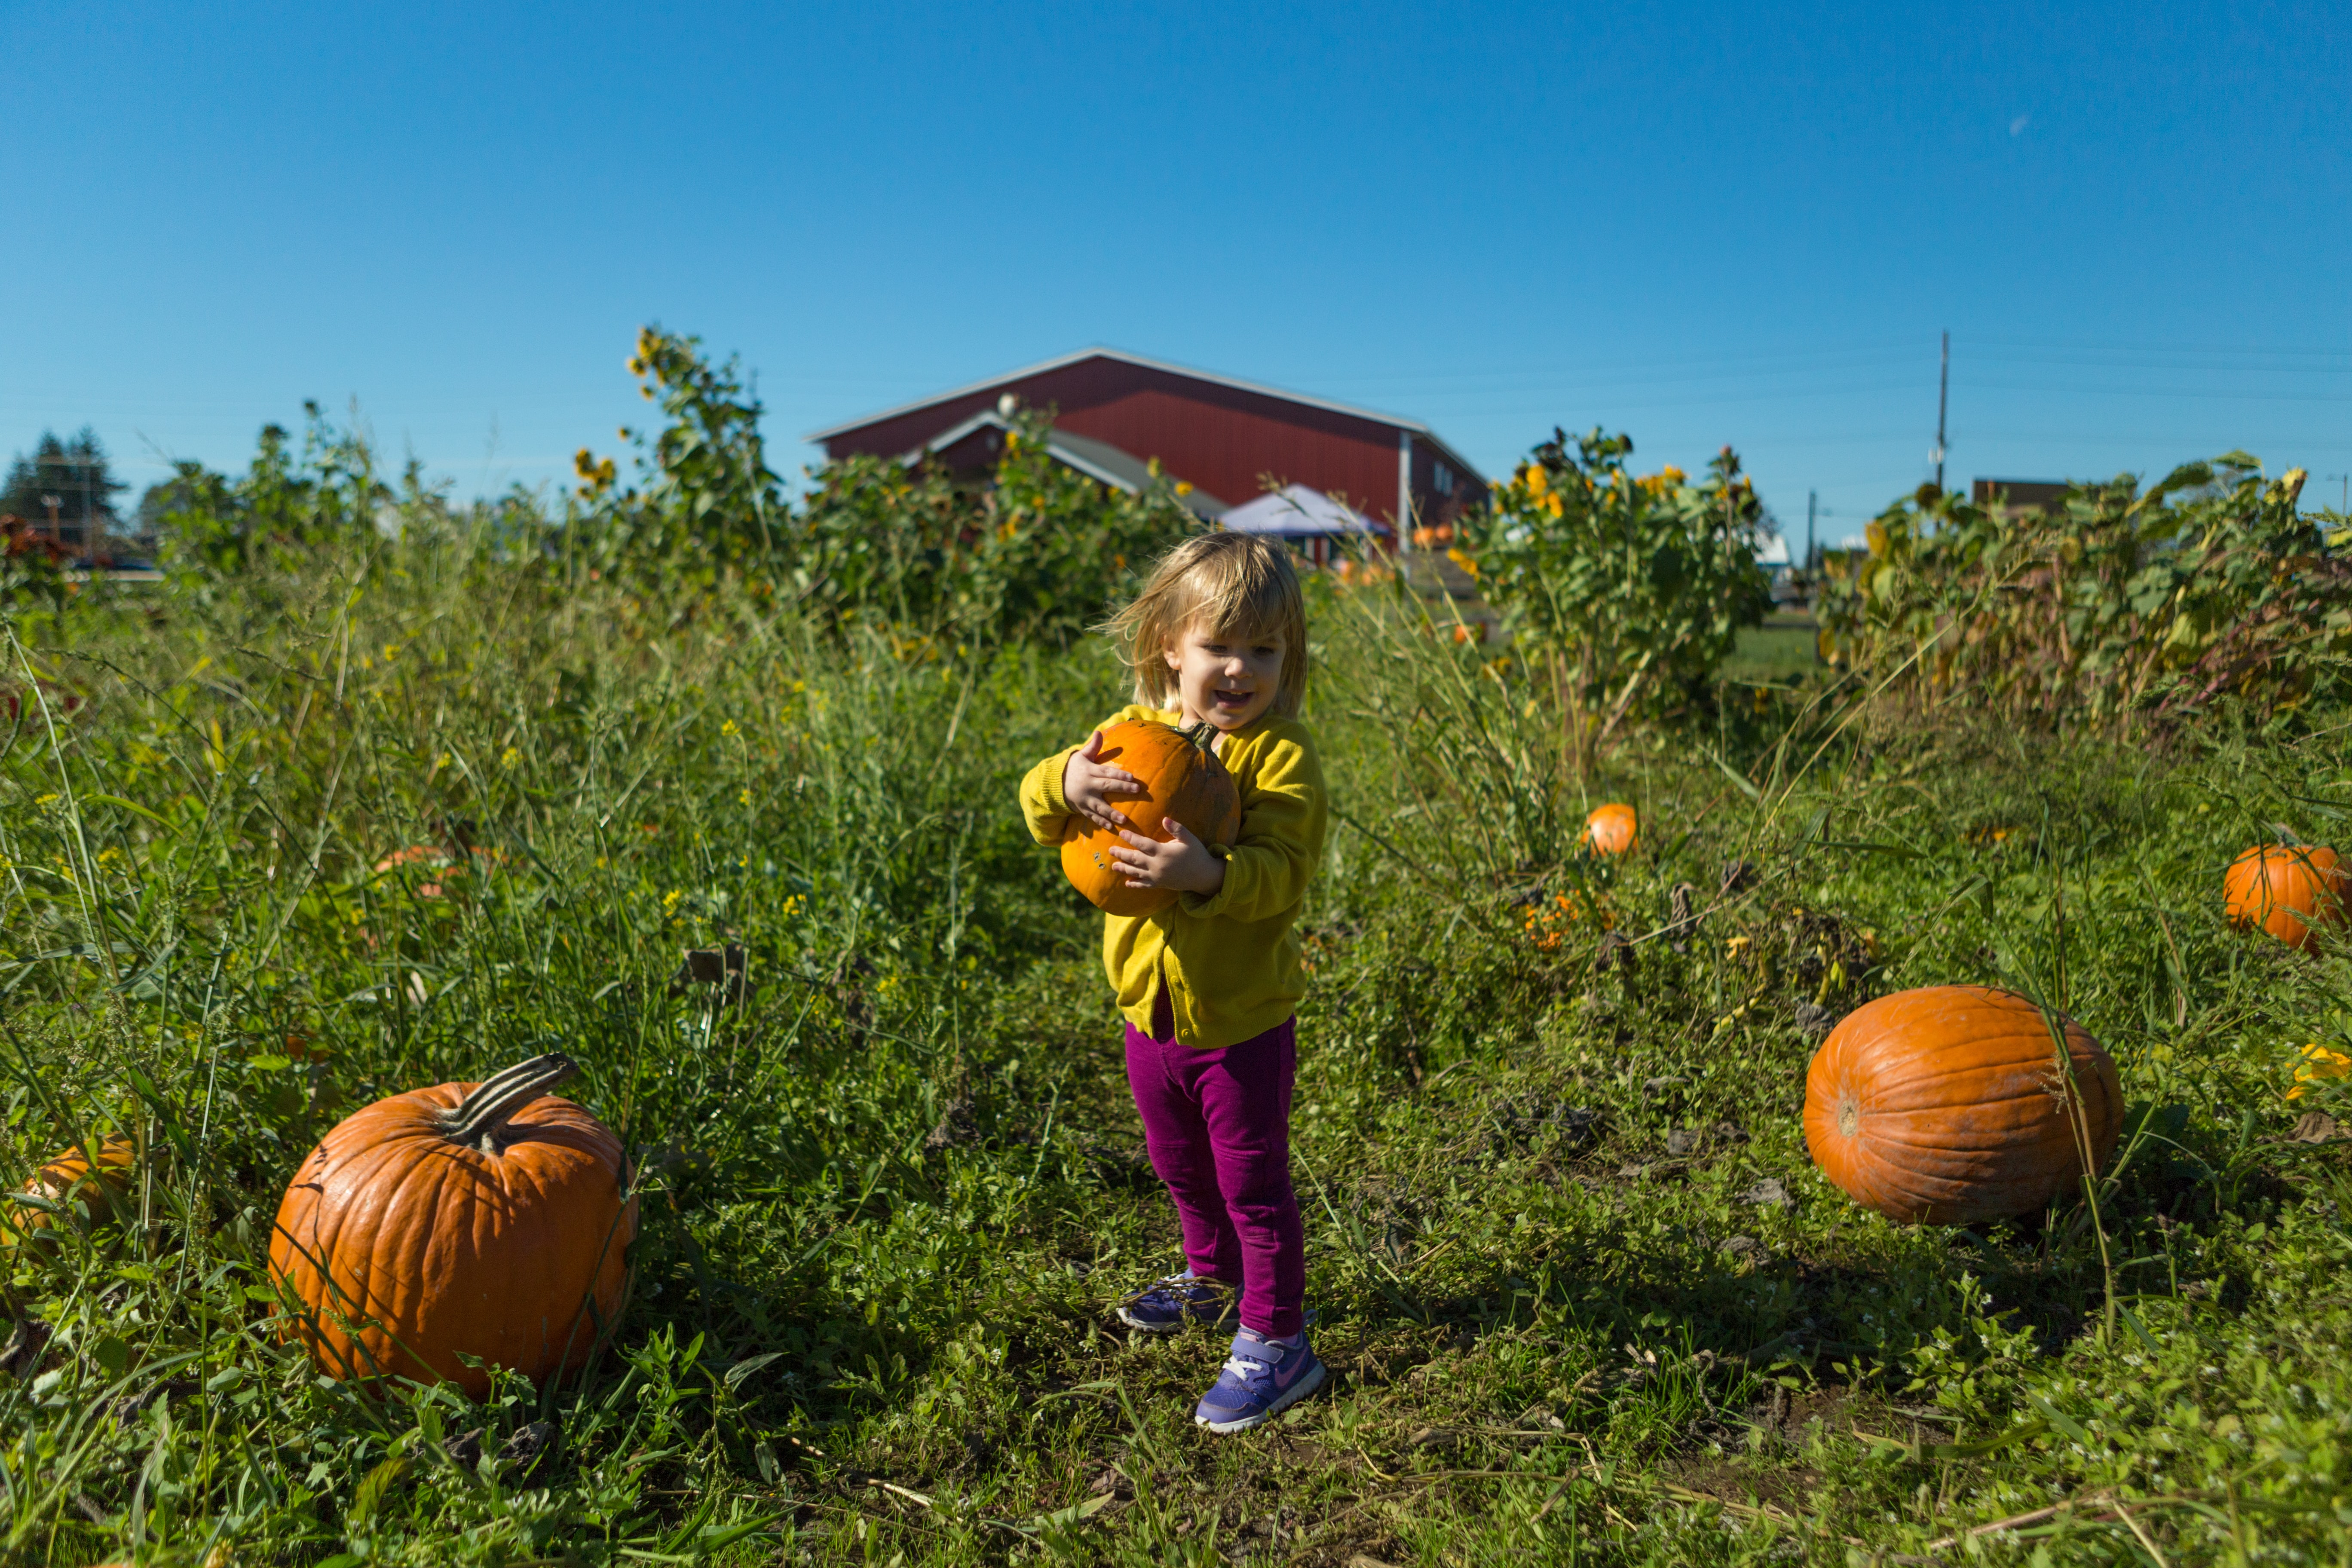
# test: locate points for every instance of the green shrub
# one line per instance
(290, 502)
(2114, 602)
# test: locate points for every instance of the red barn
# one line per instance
(1115, 414)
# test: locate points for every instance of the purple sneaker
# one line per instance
(1179, 1299)
(1261, 1380)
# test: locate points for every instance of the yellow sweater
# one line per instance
(1228, 961)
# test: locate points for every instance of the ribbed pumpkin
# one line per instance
(1945, 1105)
(70, 1182)
(1612, 829)
(484, 1218)
(1184, 780)
(2288, 891)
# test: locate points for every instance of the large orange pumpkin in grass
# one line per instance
(1946, 1106)
(1183, 780)
(2288, 891)
(487, 1219)
(1612, 829)
(72, 1189)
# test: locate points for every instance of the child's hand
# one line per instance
(1182, 864)
(1088, 782)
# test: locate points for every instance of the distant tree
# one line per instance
(68, 481)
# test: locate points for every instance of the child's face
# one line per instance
(1223, 678)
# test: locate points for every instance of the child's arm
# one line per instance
(1044, 806)
(1266, 871)
(1281, 844)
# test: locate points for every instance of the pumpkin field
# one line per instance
(843, 1182)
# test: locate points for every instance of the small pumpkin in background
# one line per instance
(2288, 891)
(74, 1189)
(1612, 829)
(430, 859)
(482, 1219)
(1945, 1106)
(450, 863)
(1182, 779)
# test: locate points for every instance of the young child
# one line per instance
(1210, 986)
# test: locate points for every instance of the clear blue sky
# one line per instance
(1740, 223)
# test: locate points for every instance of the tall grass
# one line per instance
(889, 1196)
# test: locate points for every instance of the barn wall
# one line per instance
(1429, 507)
(1222, 438)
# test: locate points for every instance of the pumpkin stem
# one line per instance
(482, 1115)
(1202, 735)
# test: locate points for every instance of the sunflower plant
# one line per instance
(1624, 590)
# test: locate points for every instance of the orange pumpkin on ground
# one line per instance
(70, 1182)
(426, 856)
(1612, 829)
(1945, 1105)
(2288, 891)
(1183, 780)
(449, 863)
(485, 1218)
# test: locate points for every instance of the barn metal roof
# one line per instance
(1394, 421)
(1095, 459)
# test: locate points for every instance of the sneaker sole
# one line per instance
(1211, 1321)
(1307, 1384)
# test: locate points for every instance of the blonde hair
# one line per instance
(1236, 583)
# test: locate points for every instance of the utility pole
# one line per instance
(1812, 502)
(1943, 401)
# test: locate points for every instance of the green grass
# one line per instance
(889, 1203)
(1780, 649)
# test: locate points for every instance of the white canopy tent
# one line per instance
(1295, 512)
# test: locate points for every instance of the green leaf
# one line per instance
(1980, 1446)
(2131, 1321)
(1736, 777)
(1074, 1513)
(129, 805)
(2060, 1419)
(745, 1368)
(372, 1490)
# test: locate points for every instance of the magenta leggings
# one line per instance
(1217, 1123)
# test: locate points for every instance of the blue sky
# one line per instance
(1738, 223)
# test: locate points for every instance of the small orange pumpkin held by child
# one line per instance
(1946, 1105)
(1182, 779)
(1612, 829)
(2288, 891)
(71, 1187)
(485, 1219)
